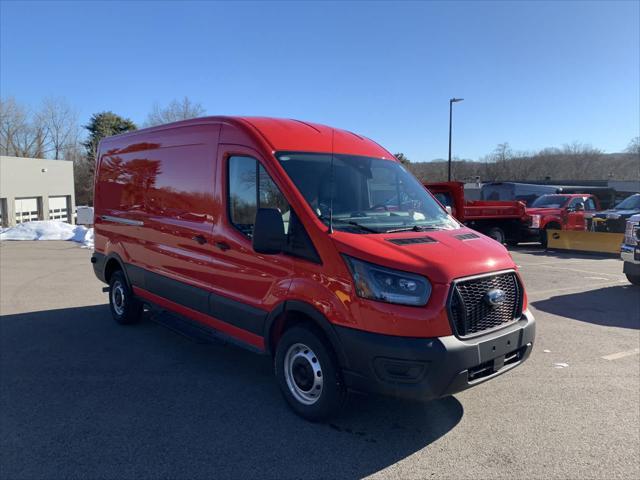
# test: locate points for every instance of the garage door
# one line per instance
(58, 208)
(26, 209)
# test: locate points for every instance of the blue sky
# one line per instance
(532, 74)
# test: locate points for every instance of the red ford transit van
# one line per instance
(309, 244)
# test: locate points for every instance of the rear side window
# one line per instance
(589, 204)
(250, 188)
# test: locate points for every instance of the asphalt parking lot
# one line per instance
(81, 397)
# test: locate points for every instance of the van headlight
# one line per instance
(386, 285)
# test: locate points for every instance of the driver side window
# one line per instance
(250, 187)
(574, 202)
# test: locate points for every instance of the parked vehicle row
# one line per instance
(310, 244)
(512, 222)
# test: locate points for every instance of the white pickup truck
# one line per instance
(630, 250)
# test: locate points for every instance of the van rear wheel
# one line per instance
(308, 374)
(125, 308)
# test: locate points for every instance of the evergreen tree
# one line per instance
(104, 125)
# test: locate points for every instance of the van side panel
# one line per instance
(161, 174)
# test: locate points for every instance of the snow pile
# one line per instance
(49, 230)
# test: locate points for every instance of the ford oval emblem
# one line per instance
(495, 297)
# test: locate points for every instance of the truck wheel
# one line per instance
(125, 308)
(308, 374)
(544, 234)
(635, 279)
(497, 234)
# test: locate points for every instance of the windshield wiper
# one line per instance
(351, 222)
(415, 228)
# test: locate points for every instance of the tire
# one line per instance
(497, 234)
(308, 374)
(635, 279)
(125, 308)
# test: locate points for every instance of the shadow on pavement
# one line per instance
(561, 254)
(83, 397)
(617, 306)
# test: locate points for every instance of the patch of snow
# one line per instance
(547, 351)
(560, 365)
(49, 230)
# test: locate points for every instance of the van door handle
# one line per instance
(224, 246)
(200, 239)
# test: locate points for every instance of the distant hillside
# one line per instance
(546, 165)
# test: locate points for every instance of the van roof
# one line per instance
(287, 135)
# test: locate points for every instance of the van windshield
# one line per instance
(367, 195)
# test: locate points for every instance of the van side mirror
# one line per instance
(579, 207)
(268, 231)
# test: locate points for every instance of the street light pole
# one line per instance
(451, 102)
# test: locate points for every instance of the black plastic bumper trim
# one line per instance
(447, 360)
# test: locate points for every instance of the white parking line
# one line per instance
(568, 269)
(531, 293)
(628, 353)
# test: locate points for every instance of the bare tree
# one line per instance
(13, 122)
(176, 110)
(29, 139)
(45, 133)
(60, 123)
(634, 146)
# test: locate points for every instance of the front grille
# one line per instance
(471, 313)
(631, 233)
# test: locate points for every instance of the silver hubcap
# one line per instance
(117, 298)
(303, 374)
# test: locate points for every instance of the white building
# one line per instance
(35, 189)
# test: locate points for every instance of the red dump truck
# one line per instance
(504, 221)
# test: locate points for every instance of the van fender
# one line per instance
(114, 256)
(318, 319)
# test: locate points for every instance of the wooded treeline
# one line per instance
(571, 162)
(53, 131)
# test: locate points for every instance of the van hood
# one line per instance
(441, 256)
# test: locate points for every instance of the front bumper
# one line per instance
(530, 234)
(630, 254)
(428, 368)
(627, 253)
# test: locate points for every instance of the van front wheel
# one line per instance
(308, 374)
(125, 308)
(634, 279)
